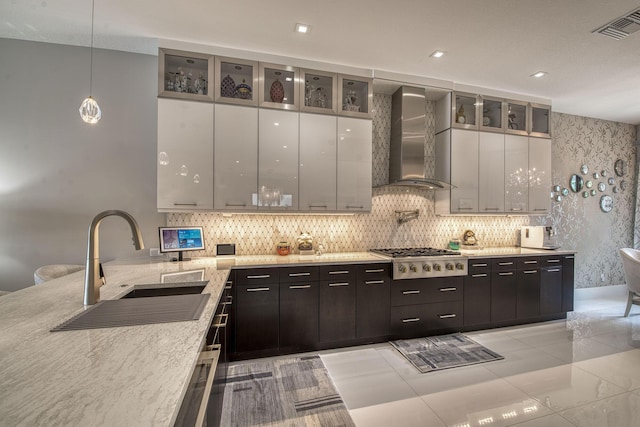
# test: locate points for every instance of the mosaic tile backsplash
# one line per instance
(579, 223)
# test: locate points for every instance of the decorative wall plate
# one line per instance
(601, 186)
(584, 169)
(606, 203)
(620, 167)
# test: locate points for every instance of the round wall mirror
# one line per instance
(576, 183)
(584, 169)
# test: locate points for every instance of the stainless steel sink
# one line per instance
(185, 304)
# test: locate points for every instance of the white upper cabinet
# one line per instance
(185, 164)
(354, 165)
(278, 160)
(540, 120)
(491, 173)
(464, 171)
(317, 173)
(516, 167)
(236, 158)
(539, 175)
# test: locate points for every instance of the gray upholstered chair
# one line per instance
(631, 264)
(50, 272)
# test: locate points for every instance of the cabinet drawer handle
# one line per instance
(374, 282)
(553, 270)
(447, 316)
(478, 265)
(414, 319)
(410, 292)
(299, 274)
(530, 271)
(377, 270)
(530, 262)
(354, 207)
(312, 205)
(236, 205)
(257, 289)
(570, 257)
(338, 284)
(339, 272)
(299, 287)
(516, 209)
(491, 209)
(260, 276)
(510, 273)
(465, 209)
(185, 204)
(506, 263)
(540, 209)
(479, 275)
(553, 260)
(448, 289)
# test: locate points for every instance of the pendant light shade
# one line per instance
(89, 109)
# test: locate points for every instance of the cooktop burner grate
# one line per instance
(413, 252)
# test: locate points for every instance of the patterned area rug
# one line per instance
(443, 352)
(283, 392)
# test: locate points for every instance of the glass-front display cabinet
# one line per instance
(318, 91)
(185, 75)
(491, 114)
(517, 117)
(540, 120)
(355, 95)
(279, 86)
(236, 81)
(464, 110)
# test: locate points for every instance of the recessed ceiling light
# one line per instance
(539, 74)
(303, 28)
(437, 54)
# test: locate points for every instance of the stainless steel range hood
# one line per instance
(408, 139)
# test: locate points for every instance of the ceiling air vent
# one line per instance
(621, 27)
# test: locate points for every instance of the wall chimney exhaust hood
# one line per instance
(408, 139)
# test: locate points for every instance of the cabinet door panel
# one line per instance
(491, 173)
(298, 315)
(567, 282)
(185, 155)
(464, 170)
(477, 298)
(516, 178)
(256, 321)
(278, 160)
(539, 174)
(528, 299)
(236, 158)
(551, 290)
(354, 165)
(337, 311)
(373, 300)
(317, 162)
(503, 296)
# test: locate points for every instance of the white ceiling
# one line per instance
(493, 44)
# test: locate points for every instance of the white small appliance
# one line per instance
(537, 237)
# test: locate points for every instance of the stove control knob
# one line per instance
(402, 268)
(413, 268)
(449, 266)
(426, 267)
(459, 266)
(437, 267)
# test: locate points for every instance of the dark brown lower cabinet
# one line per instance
(337, 317)
(528, 293)
(551, 290)
(373, 300)
(477, 293)
(503, 295)
(256, 317)
(298, 316)
(567, 282)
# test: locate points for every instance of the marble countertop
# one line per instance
(511, 251)
(134, 375)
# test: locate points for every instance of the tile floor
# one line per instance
(584, 371)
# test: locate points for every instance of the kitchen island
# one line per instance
(135, 375)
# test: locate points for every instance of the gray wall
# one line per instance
(56, 172)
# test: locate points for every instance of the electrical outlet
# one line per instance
(154, 252)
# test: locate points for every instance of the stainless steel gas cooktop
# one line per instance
(415, 263)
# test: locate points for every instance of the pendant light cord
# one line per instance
(93, 6)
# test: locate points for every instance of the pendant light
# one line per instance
(89, 109)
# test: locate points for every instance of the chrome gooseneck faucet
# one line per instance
(94, 278)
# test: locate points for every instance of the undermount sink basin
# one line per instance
(149, 305)
(185, 288)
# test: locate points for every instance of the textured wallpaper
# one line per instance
(579, 222)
